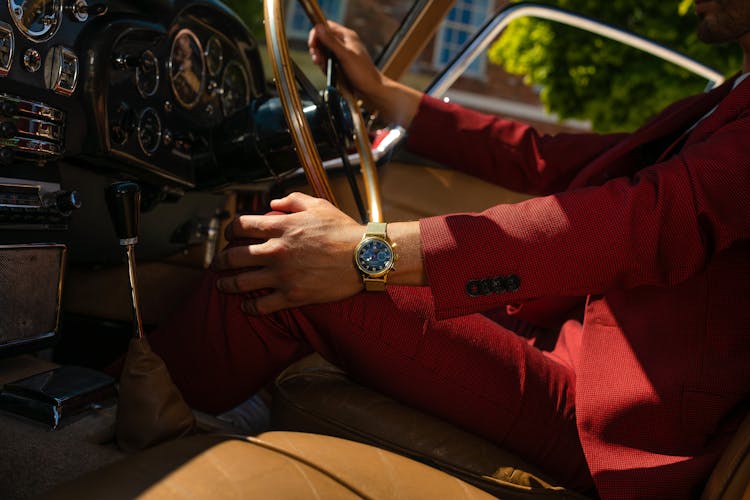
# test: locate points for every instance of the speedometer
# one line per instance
(38, 20)
(235, 88)
(187, 68)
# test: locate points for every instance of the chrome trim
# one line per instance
(383, 149)
(199, 94)
(501, 21)
(164, 174)
(6, 33)
(45, 34)
(39, 128)
(56, 79)
(138, 72)
(32, 146)
(147, 151)
(35, 108)
(32, 60)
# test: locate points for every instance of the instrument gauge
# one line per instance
(187, 70)
(235, 88)
(149, 131)
(37, 20)
(214, 56)
(147, 74)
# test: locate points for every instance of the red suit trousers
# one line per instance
(470, 370)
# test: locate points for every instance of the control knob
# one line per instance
(65, 201)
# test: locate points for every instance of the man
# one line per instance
(649, 374)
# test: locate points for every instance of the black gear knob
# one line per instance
(124, 202)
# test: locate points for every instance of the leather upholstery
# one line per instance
(275, 465)
(730, 478)
(315, 396)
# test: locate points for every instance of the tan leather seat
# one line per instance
(315, 396)
(278, 465)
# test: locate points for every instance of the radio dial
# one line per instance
(66, 201)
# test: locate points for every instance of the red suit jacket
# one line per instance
(658, 241)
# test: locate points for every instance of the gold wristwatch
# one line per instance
(375, 257)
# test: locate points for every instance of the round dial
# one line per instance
(187, 70)
(214, 56)
(147, 74)
(374, 256)
(149, 131)
(38, 20)
(235, 89)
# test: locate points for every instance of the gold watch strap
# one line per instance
(374, 284)
(376, 229)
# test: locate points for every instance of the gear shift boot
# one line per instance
(150, 409)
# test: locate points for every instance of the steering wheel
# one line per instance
(284, 72)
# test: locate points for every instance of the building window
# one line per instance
(297, 24)
(462, 22)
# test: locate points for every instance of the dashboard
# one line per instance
(168, 93)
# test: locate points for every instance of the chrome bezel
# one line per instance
(246, 79)
(35, 108)
(142, 91)
(54, 82)
(368, 272)
(48, 32)
(211, 41)
(170, 62)
(146, 151)
(7, 30)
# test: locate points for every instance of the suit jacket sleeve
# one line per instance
(657, 227)
(504, 152)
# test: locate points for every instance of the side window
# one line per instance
(297, 24)
(462, 21)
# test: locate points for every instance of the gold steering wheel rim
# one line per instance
(300, 129)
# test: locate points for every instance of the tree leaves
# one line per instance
(591, 78)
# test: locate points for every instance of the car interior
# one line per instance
(131, 133)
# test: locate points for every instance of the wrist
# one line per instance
(396, 102)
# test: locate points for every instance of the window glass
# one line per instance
(460, 24)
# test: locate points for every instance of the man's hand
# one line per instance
(305, 256)
(396, 102)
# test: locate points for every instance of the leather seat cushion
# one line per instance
(315, 396)
(275, 465)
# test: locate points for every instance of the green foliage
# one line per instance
(251, 11)
(592, 78)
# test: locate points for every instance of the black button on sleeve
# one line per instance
(513, 283)
(472, 288)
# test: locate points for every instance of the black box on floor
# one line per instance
(54, 396)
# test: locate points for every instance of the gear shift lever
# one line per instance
(150, 408)
(124, 201)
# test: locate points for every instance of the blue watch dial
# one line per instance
(374, 256)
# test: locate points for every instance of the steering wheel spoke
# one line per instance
(339, 105)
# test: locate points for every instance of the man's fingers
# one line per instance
(295, 202)
(241, 257)
(261, 227)
(246, 282)
(267, 304)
